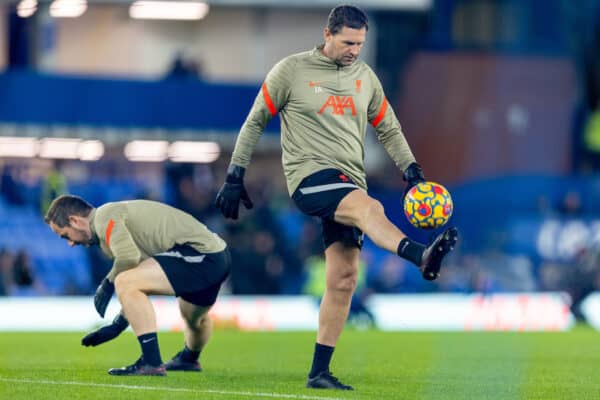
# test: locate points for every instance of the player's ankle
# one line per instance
(189, 355)
(411, 251)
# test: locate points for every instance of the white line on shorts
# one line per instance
(169, 389)
(325, 188)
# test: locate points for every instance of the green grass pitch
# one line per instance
(380, 365)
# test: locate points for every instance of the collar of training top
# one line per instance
(318, 54)
(92, 216)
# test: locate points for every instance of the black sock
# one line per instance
(321, 359)
(411, 250)
(188, 355)
(150, 351)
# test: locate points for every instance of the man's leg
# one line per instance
(358, 209)
(133, 287)
(197, 332)
(367, 214)
(340, 276)
(197, 279)
(198, 325)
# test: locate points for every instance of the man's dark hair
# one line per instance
(348, 16)
(64, 206)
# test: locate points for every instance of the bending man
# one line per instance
(157, 250)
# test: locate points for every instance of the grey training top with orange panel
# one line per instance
(131, 231)
(324, 110)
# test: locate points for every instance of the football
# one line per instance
(428, 205)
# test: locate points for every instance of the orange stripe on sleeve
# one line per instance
(268, 100)
(109, 229)
(381, 114)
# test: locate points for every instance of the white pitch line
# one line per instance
(170, 389)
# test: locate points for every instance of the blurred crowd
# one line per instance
(278, 250)
(17, 277)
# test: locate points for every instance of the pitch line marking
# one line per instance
(169, 389)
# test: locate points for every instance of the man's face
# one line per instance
(344, 47)
(77, 232)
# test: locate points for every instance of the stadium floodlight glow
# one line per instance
(18, 147)
(406, 4)
(26, 8)
(68, 8)
(59, 148)
(194, 152)
(146, 150)
(178, 10)
(90, 150)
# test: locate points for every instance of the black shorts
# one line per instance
(196, 277)
(319, 195)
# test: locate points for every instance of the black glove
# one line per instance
(106, 333)
(232, 191)
(413, 175)
(103, 294)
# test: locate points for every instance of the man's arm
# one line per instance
(106, 333)
(271, 98)
(125, 251)
(388, 130)
(126, 256)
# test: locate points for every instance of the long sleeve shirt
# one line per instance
(324, 110)
(131, 231)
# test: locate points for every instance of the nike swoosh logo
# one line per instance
(404, 247)
(316, 83)
(147, 340)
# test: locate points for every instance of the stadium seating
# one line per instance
(528, 213)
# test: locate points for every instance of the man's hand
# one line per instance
(413, 175)
(103, 294)
(106, 333)
(232, 191)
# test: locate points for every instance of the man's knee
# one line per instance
(344, 281)
(342, 268)
(197, 323)
(194, 316)
(362, 210)
(374, 207)
(124, 283)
